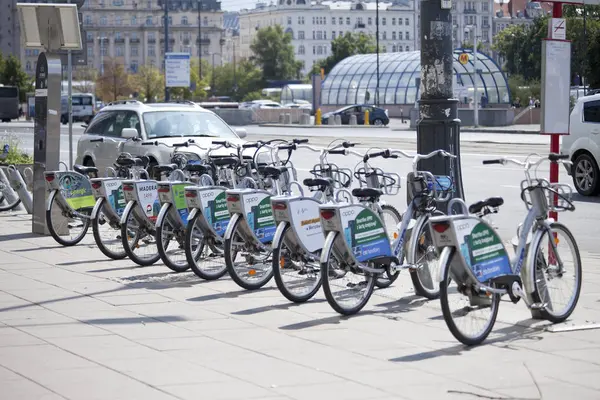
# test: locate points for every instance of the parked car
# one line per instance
(377, 116)
(129, 123)
(301, 106)
(260, 104)
(583, 145)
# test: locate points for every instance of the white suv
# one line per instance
(583, 145)
(124, 125)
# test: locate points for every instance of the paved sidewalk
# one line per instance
(76, 326)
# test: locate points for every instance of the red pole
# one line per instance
(555, 139)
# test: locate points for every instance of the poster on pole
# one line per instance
(556, 78)
(177, 69)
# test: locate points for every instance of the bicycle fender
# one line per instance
(444, 261)
(278, 237)
(229, 232)
(191, 215)
(126, 212)
(51, 197)
(97, 208)
(160, 219)
(327, 245)
(414, 238)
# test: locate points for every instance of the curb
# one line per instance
(474, 130)
(323, 126)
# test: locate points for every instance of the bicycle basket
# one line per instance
(560, 197)
(376, 178)
(342, 177)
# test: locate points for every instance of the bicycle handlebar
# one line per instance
(552, 157)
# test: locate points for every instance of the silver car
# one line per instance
(125, 125)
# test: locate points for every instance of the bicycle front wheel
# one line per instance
(347, 288)
(107, 235)
(169, 242)
(64, 226)
(297, 277)
(557, 287)
(470, 316)
(426, 260)
(139, 244)
(205, 260)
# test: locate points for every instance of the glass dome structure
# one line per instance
(353, 80)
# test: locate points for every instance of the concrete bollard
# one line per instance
(305, 119)
(281, 118)
(288, 118)
(353, 120)
(331, 120)
(338, 119)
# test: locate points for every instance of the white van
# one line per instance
(83, 107)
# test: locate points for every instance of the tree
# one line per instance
(149, 83)
(114, 84)
(237, 81)
(12, 74)
(84, 78)
(345, 46)
(274, 54)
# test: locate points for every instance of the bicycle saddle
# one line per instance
(225, 161)
(490, 202)
(199, 168)
(318, 182)
(272, 172)
(371, 193)
(165, 168)
(85, 170)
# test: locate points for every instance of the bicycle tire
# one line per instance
(53, 231)
(287, 293)
(162, 244)
(448, 314)
(385, 280)
(97, 238)
(230, 263)
(537, 298)
(193, 259)
(420, 289)
(327, 254)
(144, 262)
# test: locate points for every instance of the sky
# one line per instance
(235, 5)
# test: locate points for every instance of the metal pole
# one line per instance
(438, 126)
(475, 76)
(199, 41)
(585, 47)
(377, 44)
(212, 85)
(70, 102)
(557, 12)
(166, 22)
(234, 72)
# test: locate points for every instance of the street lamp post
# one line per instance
(377, 44)
(199, 41)
(438, 126)
(212, 85)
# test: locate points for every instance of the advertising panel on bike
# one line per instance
(114, 195)
(259, 215)
(179, 200)
(76, 189)
(364, 233)
(482, 249)
(148, 198)
(306, 223)
(214, 209)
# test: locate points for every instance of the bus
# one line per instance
(9, 103)
(83, 107)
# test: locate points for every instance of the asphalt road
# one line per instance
(479, 181)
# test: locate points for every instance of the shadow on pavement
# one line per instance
(286, 306)
(133, 320)
(577, 198)
(18, 236)
(230, 295)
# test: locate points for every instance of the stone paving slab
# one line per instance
(74, 325)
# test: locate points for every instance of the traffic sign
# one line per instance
(463, 58)
(177, 69)
(557, 29)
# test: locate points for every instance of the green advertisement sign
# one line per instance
(179, 200)
(261, 220)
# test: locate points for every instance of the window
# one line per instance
(134, 67)
(406, 21)
(399, 21)
(90, 52)
(149, 21)
(103, 50)
(341, 21)
(333, 35)
(591, 111)
(133, 20)
(184, 20)
(400, 36)
(89, 36)
(103, 20)
(384, 47)
(332, 20)
(314, 20)
(314, 35)
(393, 21)
(325, 35)
(118, 20)
(119, 51)
(149, 4)
(205, 21)
(301, 50)
(134, 36)
(383, 21)
(347, 20)
(118, 36)
(300, 22)
(369, 21)
(407, 35)
(486, 6)
(314, 49)
(28, 64)
(111, 123)
(301, 35)
(185, 123)
(319, 50)
(394, 37)
(134, 51)
(88, 19)
(289, 20)
(117, 2)
(151, 51)
(407, 48)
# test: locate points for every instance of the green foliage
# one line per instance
(15, 155)
(345, 46)
(237, 81)
(253, 96)
(273, 53)
(12, 74)
(522, 89)
(149, 83)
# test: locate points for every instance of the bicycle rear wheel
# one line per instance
(391, 218)
(107, 235)
(426, 258)
(476, 310)
(139, 244)
(170, 245)
(550, 277)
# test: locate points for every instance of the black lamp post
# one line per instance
(199, 41)
(166, 23)
(377, 44)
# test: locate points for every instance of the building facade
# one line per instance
(315, 24)
(10, 35)
(131, 32)
(472, 19)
